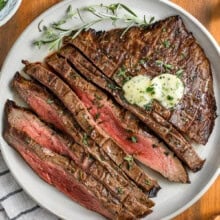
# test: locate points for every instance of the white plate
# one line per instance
(173, 198)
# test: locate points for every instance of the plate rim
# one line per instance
(11, 13)
(168, 3)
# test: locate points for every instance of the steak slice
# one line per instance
(25, 121)
(72, 102)
(158, 124)
(138, 51)
(109, 116)
(66, 176)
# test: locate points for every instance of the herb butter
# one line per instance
(166, 88)
(135, 90)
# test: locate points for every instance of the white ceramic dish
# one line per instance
(9, 10)
(173, 198)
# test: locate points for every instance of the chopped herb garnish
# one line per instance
(170, 98)
(50, 101)
(179, 73)
(97, 116)
(98, 97)
(159, 62)
(148, 106)
(147, 182)
(183, 55)
(119, 190)
(150, 89)
(133, 139)
(85, 139)
(80, 175)
(166, 44)
(142, 61)
(112, 86)
(164, 29)
(168, 66)
(130, 161)
(121, 72)
(129, 158)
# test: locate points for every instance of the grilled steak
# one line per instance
(169, 42)
(112, 119)
(25, 121)
(66, 176)
(157, 123)
(72, 102)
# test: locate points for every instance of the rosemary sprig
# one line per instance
(52, 34)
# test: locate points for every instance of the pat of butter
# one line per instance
(166, 88)
(135, 90)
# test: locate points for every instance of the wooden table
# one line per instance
(207, 11)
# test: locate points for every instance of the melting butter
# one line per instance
(166, 88)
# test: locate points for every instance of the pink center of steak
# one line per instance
(58, 177)
(37, 131)
(40, 105)
(135, 144)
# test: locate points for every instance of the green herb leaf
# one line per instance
(119, 190)
(52, 35)
(170, 98)
(97, 116)
(168, 66)
(128, 10)
(179, 73)
(142, 61)
(166, 44)
(50, 101)
(133, 139)
(148, 182)
(130, 161)
(150, 89)
(148, 107)
(151, 20)
(159, 62)
(129, 158)
(112, 86)
(121, 72)
(85, 139)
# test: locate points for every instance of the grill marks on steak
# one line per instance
(158, 124)
(195, 114)
(66, 176)
(72, 102)
(23, 120)
(110, 118)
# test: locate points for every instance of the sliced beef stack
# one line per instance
(84, 138)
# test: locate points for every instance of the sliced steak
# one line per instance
(25, 121)
(154, 121)
(138, 51)
(66, 176)
(109, 116)
(72, 102)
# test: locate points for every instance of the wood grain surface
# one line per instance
(207, 11)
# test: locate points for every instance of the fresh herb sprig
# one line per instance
(52, 35)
